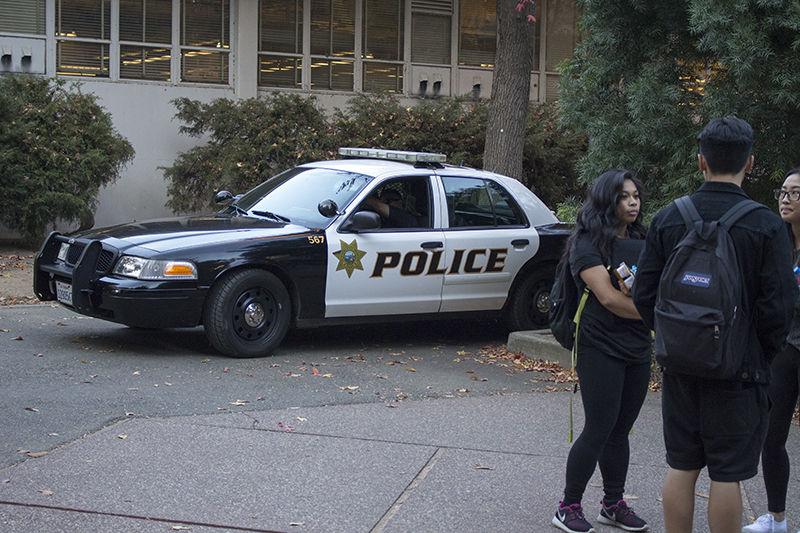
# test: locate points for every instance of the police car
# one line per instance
(377, 235)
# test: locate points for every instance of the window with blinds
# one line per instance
(22, 17)
(478, 33)
(145, 33)
(382, 38)
(561, 33)
(333, 37)
(83, 33)
(205, 41)
(430, 38)
(280, 43)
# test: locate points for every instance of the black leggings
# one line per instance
(612, 391)
(783, 390)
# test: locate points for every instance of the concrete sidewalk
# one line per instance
(464, 464)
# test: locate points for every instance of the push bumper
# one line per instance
(89, 287)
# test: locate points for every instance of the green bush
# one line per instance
(251, 140)
(57, 148)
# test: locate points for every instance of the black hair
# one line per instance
(598, 214)
(726, 144)
(795, 170)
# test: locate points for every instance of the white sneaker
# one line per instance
(766, 523)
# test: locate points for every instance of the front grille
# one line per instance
(74, 253)
(105, 261)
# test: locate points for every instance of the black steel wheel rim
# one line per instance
(254, 314)
(539, 303)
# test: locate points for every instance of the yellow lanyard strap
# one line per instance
(577, 320)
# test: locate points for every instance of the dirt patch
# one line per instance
(16, 276)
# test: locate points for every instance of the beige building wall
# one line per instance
(139, 55)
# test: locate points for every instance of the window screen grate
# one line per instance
(441, 7)
(430, 38)
(22, 16)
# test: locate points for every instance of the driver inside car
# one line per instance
(389, 205)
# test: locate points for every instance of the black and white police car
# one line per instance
(379, 234)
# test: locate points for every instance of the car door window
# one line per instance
(506, 211)
(402, 203)
(468, 202)
(474, 202)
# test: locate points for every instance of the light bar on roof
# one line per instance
(393, 155)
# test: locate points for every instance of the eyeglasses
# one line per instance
(780, 194)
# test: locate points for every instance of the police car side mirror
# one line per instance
(222, 196)
(362, 220)
(328, 208)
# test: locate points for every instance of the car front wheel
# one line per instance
(247, 314)
(529, 305)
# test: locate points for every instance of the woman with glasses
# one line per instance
(784, 384)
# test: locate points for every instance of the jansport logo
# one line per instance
(696, 280)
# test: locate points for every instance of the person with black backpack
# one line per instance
(715, 283)
(613, 349)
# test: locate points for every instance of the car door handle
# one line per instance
(432, 244)
(520, 242)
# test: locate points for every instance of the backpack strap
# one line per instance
(689, 213)
(735, 213)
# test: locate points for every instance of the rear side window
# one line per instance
(476, 203)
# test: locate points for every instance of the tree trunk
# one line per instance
(511, 85)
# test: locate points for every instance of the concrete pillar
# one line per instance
(246, 49)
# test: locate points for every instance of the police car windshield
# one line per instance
(296, 193)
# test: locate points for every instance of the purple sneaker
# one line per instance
(621, 516)
(570, 518)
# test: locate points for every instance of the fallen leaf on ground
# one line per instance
(314, 371)
(46, 492)
(296, 524)
(32, 409)
(239, 402)
(18, 338)
(482, 467)
(411, 369)
(349, 388)
(36, 455)
(181, 528)
(328, 375)
(122, 436)
(301, 418)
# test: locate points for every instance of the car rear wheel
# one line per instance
(529, 306)
(247, 314)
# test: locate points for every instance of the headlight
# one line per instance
(153, 269)
(62, 252)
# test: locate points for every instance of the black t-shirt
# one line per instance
(600, 328)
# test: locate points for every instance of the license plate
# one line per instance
(64, 292)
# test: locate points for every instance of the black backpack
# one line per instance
(702, 321)
(563, 305)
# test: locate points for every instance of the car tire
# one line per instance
(529, 305)
(247, 313)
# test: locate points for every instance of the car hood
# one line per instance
(176, 233)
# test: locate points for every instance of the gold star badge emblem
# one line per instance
(349, 257)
